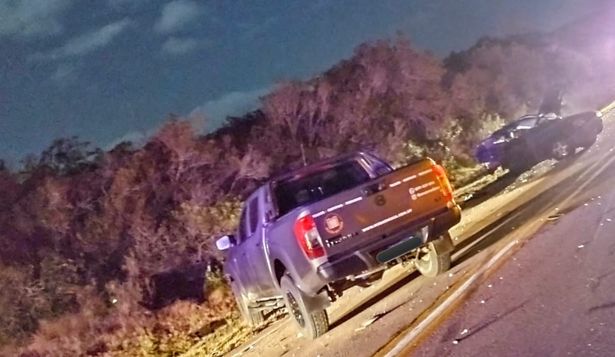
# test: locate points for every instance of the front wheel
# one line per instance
(311, 324)
(435, 258)
(252, 316)
(561, 150)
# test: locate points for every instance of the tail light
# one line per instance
(308, 237)
(445, 185)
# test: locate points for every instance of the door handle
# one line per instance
(375, 188)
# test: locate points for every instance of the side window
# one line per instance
(242, 231)
(525, 124)
(378, 166)
(253, 214)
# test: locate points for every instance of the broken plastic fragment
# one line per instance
(370, 321)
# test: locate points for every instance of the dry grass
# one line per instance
(134, 331)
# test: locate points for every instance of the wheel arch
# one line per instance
(279, 270)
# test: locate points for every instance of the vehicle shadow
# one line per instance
(374, 299)
(453, 333)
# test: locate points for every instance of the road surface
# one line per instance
(378, 320)
(555, 297)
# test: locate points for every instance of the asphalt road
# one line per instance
(555, 297)
(535, 304)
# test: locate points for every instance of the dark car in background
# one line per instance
(535, 138)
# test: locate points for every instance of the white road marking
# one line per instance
(435, 314)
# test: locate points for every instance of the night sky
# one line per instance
(109, 70)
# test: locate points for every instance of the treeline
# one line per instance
(87, 236)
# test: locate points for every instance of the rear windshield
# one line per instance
(295, 192)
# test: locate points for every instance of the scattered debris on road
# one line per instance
(554, 217)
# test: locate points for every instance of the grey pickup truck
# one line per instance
(308, 235)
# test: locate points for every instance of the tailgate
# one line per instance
(374, 210)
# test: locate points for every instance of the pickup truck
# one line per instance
(306, 236)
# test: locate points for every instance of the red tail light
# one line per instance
(445, 185)
(308, 237)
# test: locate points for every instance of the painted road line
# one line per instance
(603, 162)
(449, 302)
(608, 108)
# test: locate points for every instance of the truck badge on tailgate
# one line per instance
(333, 224)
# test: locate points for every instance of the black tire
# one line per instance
(252, 316)
(311, 325)
(561, 150)
(518, 159)
(516, 167)
(432, 263)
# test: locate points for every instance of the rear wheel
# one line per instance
(518, 159)
(560, 150)
(311, 324)
(434, 259)
(252, 316)
(517, 166)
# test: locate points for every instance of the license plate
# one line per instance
(399, 249)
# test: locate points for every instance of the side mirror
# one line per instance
(225, 242)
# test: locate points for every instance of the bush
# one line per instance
(90, 239)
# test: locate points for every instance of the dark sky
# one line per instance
(107, 70)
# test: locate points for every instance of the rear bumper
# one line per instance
(363, 260)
